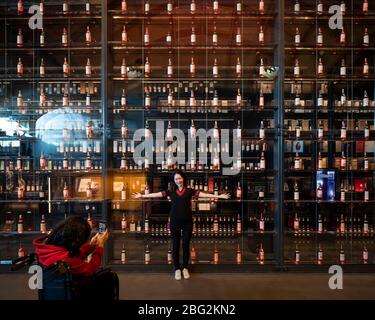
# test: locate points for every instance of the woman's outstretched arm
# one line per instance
(138, 195)
(210, 195)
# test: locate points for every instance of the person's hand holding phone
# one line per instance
(102, 238)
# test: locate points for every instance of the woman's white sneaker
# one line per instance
(186, 273)
(177, 274)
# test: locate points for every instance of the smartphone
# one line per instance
(102, 227)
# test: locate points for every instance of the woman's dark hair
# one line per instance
(70, 234)
(182, 174)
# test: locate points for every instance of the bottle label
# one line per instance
(238, 38)
(296, 195)
(297, 38)
(214, 38)
(261, 225)
(365, 255)
(320, 256)
(343, 71)
(320, 227)
(320, 39)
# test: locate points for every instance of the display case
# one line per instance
(100, 102)
(193, 65)
(51, 126)
(328, 129)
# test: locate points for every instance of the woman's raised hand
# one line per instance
(224, 196)
(137, 195)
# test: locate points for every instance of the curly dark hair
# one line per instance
(70, 234)
(172, 185)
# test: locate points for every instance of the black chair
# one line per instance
(57, 283)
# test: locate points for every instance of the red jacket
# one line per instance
(49, 254)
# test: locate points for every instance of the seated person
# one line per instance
(69, 242)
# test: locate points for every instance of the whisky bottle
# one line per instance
(296, 68)
(320, 255)
(238, 68)
(193, 7)
(297, 7)
(20, 224)
(319, 38)
(365, 162)
(19, 99)
(42, 70)
(261, 99)
(147, 255)
(342, 228)
(19, 68)
(215, 6)
(19, 38)
(147, 68)
(65, 162)
(124, 36)
(261, 254)
(214, 37)
(65, 192)
(238, 37)
(65, 7)
(65, 68)
(342, 193)
(343, 69)
(296, 191)
(20, 7)
(193, 37)
(123, 69)
(88, 36)
(343, 134)
(262, 70)
(319, 7)
(365, 101)
(261, 223)
(169, 255)
(42, 38)
(216, 255)
(320, 224)
(366, 131)
(21, 252)
(193, 254)
(320, 131)
(124, 7)
(239, 98)
(215, 69)
(261, 7)
(366, 195)
(192, 68)
(169, 7)
(365, 255)
(343, 161)
(64, 38)
(123, 254)
(297, 38)
(239, 191)
(238, 255)
(365, 225)
(320, 68)
(297, 256)
(42, 161)
(239, 224)
(43, 225)
(261, 36)
(320, 161)
(297, 162)
(366, 38)
(365, 6)
(365, 68)
(192, 101)
(319, 192)
(342, 37)
(147, 7)
(342, 8)
(342, 255)
(170, 68)
(261, 131)
(124, 192)
(124, 223)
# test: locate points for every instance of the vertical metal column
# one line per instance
(279, 125)
(104, 108)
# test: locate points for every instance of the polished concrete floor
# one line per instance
(217, 286)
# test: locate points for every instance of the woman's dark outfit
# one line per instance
(181, 219)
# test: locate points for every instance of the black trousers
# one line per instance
(186, 227)
(103, 285)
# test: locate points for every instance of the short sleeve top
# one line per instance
(181, 203)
